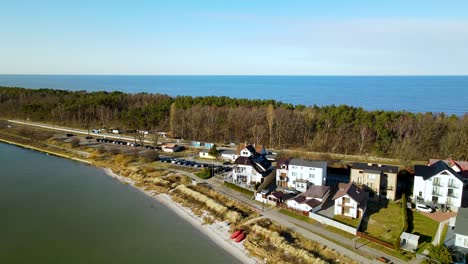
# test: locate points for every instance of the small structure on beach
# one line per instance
(409, 242)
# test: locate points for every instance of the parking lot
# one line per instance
(195, 164)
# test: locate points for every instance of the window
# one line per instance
(311, 176)
(371, 176)
(360, 171)
(294, 174)
(420, 194)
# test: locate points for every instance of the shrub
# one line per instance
(75, 142)
(206, 173)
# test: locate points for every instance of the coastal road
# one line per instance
(75, 130)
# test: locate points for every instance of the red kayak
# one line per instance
(236, 234)
(240, 238)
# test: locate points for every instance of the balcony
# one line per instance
(453, 185)
(437, 183)
(284, 179)
(434, 193)
(453, 195)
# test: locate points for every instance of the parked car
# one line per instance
(423, 208)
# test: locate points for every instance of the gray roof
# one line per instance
(316, 191)
(308, 163)
(374, 167)
(428, 171)
(227, 151)
(461, 225)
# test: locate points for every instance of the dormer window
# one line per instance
(283, 166)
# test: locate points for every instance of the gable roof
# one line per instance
(282, 161)
(351, 189)
(461, 224)
(313, 203)
(427, 172)
(316, 191)
(308, 163)
(372, 167)
(259, 163)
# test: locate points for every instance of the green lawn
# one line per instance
(444, 233)
(424, 227)
(347, 220)
(298, 216)
(385, 223)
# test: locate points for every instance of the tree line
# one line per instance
(336, 129)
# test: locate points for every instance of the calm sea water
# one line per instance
(447, 94)
(54, 210)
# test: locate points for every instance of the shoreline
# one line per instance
(218, 232)
(45, 151)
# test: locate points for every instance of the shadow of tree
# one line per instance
(409, 213)
(372, 208)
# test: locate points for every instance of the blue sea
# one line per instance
(448, 94)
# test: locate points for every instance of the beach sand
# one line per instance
(218, 232)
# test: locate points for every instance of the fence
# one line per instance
(375, 240)
(333, 223)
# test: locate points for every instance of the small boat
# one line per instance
(236, 234)
(240, 238)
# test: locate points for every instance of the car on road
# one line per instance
(423, 208)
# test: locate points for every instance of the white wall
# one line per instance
(249, 171)
(298, 206)
(333, 223)
(316, 176)
(351, 206)
(426, 188)
(461, 241)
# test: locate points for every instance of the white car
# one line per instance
(423, 208)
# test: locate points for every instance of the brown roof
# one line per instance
(313, 203)
(316, 191)
(256, 149)
(356, 193)
(278, 194)
(300, 199)
(282, 161)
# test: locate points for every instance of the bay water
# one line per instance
(54, 210)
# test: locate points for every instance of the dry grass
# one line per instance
(212, 205)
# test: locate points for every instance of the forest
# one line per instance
(333, 129)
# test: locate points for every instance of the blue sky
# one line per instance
(234, 37)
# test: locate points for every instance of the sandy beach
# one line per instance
(218, 232)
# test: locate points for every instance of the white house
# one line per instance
(244, 173)
(350, 200)
(228, 154)
(311, 200)
(461, 229)
(300, 174)
(438, 184)
(273, 198)
(250, 167)
(205, 154)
